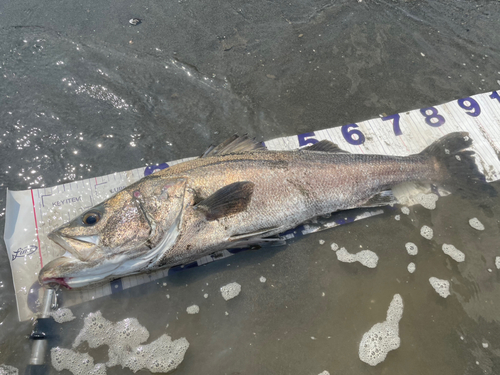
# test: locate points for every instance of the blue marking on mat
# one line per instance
(297, 231)
(152, 168)
(116, 286)
(183, 267)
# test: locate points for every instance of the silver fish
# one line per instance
(239, 193)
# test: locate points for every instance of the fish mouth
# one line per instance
(71, 272)
(84, 262)
(81, 247)
(66, 270)
(58, 271)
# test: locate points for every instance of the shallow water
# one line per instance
(86, 94)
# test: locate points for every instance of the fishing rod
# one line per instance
(43, 331)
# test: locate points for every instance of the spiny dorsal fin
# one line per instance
(234, 144)
(229, 200)
(325, 146)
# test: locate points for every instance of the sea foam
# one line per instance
(382, 337)
(366, 257)
(62, 315)
(125, 340)
(453, 252)
(426, 232)
(476, 224)
(442, 287)
(230, 290)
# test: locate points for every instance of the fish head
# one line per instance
(120, 236)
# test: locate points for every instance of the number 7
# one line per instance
(395, 124)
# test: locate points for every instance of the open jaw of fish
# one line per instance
(238, 194)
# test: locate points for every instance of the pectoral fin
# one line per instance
(229, 200)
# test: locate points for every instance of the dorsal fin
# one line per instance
(234, 144)
(325, 146)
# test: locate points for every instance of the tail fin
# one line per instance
(457, 166)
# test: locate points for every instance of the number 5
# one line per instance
(307, 139)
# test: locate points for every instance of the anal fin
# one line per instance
(382, 198)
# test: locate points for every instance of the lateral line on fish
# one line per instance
(274, 163)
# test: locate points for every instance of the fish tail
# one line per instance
(456, 167)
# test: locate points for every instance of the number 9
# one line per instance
(474, 106)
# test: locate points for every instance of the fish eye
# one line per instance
(91, 218)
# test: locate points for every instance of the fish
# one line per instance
(238, 194)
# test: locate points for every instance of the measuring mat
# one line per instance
(32, 214)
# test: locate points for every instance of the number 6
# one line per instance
(348, 134)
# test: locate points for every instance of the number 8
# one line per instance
(434, 114)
